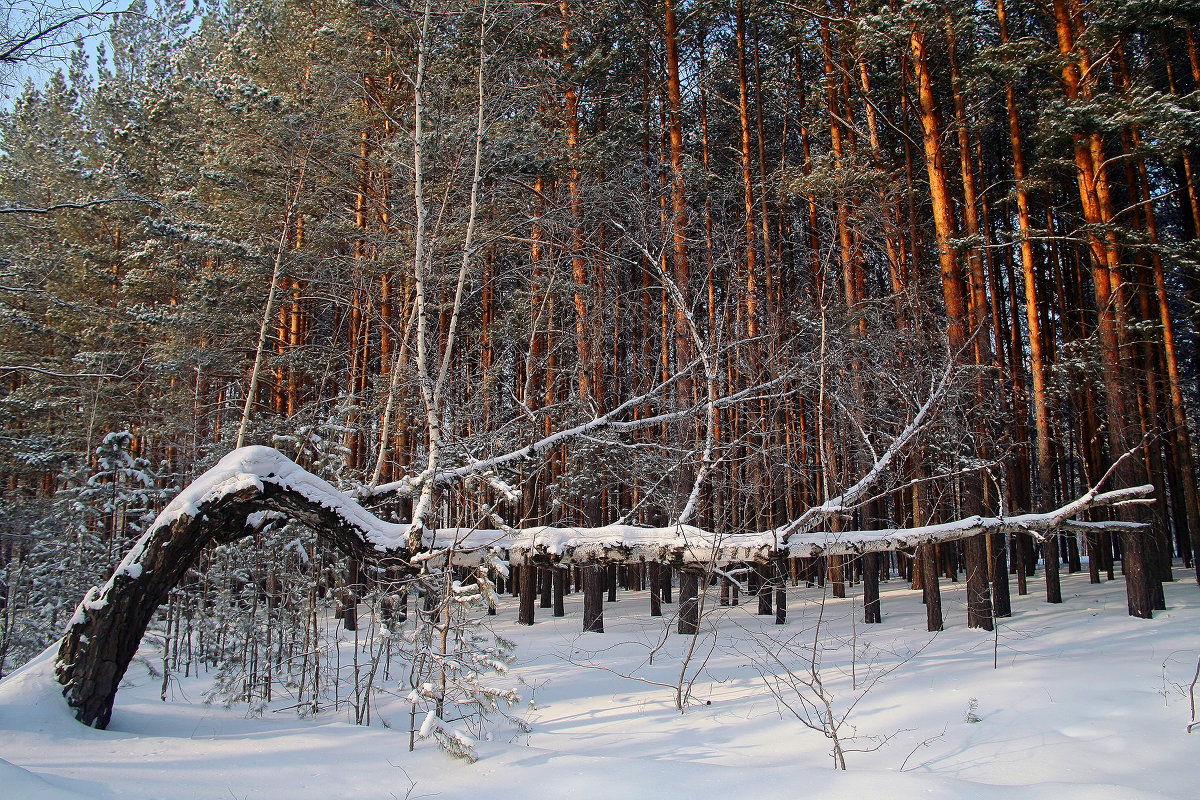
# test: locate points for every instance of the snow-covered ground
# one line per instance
(1084, 702)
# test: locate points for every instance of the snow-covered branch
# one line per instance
(104, 632)
(684, 545)
(612, 421)
(816, 516)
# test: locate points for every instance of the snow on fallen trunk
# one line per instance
(103, 634)
(258, 466)
(685, 544)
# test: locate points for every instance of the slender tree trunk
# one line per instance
(1041, 400)
(747, 178)
(979, 603)
(1106, 282)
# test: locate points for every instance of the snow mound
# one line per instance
(19, 782)
(31, 698)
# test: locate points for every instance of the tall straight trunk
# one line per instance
(537, 369)
(579, 268)
(915, 244)
(979, 611)
(1020, 482)
(1191, 209)
(1148, 388)
(752, 313)
(850, 281)
(814, 235)
(758, 477)
(1037, 358)
(709, 247)
(996, 547)
(979, 603)
(601, 268)
(679, 219)
(1185, 153)
(358, 319)
(945, 227)
(1182, 460)
(977, 295)
(429, 398)
(768, 271)
(1106, 281)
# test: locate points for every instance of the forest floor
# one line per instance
(1073, 701)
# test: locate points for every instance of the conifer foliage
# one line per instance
(390, 238)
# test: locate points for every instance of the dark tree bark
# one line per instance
(654, 569)
(559, 580)
(108, 626)
(593, 598)
(927, 559)
(1001, 596)
(528, 590)
(546, 586)
(871, 588)
(689, 604)
(765, 584)
(780, 592)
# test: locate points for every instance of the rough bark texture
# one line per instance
(528, 590)
(655, 597)
(104, 634)
(593, 598)
(927, 561)
(979, 601)
(780, 593)
(689, 605)
(764, 585)
(108, 625)
(559, 581)
(871, 588)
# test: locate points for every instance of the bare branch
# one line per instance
(52, 374)
(74, 205)
(816, 516)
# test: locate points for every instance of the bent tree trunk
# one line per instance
(103, 635)
(107, 627)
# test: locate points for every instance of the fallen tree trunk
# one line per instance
(104, 633)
